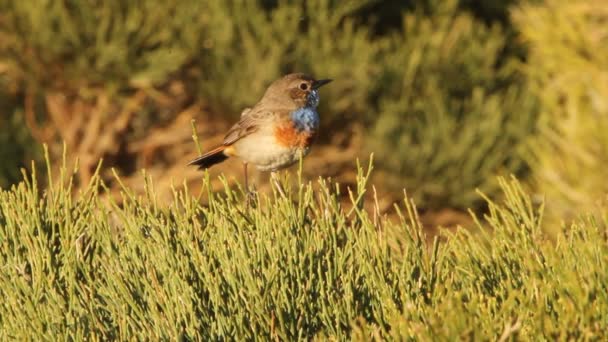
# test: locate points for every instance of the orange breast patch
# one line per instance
(287, 135)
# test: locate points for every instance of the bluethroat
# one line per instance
(275, 133)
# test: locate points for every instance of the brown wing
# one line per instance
(249, 123)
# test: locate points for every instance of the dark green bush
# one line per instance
(17, 147)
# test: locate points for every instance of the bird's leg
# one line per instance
(246, 178)
(274, 176)
(248, 194)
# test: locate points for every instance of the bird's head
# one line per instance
(298, 90)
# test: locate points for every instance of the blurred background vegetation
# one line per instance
(447, 94)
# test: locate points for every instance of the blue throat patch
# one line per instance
(305, 118)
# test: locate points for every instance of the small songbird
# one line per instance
(277, 131)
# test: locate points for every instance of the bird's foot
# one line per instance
(251, 197)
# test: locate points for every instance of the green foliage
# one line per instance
(84, 267)
(76, 45)
(453, 112)
(231, 50)
(443, 108)
(17, 147)
(567, 71)
(509, 281)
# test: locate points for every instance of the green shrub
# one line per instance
(96, 72)
(230, 50)
(439, 99)
(568, 43)
(453, 112)
(509, 281)
(77, 45)
(84, 267)
(17, 147)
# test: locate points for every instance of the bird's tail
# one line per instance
(215, 156)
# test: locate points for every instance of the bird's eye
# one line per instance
(304, 86)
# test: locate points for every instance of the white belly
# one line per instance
(263, 151)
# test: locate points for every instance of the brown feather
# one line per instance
(249, 123)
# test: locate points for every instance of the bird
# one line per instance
(276, 132)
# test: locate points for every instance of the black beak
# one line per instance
(319, 83)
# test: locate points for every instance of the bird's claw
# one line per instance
(251, 197)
